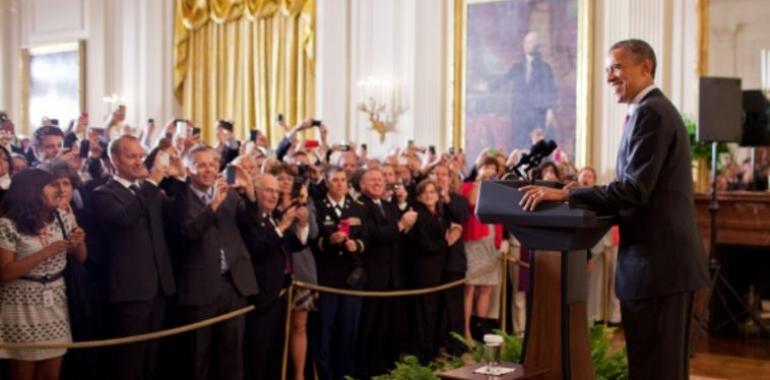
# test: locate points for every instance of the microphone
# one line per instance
(537, 153)
(541, 151)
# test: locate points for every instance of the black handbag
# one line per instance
(357, 278)
(77, 284)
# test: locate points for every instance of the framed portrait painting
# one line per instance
(521, 74)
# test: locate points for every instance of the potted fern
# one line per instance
(608, 363)
(700, 154)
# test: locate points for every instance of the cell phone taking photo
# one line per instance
(85, 147)
(230, 175)
(164, 159)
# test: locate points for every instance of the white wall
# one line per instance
(739, 30)
(412, 39)
(402, 40)
(128, 46)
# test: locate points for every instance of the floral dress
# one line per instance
(34, 311)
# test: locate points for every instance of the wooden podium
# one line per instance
(556, 335)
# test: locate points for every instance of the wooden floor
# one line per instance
(719, 358)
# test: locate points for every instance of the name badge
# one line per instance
(48, 298)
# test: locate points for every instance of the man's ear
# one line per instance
(647, 67)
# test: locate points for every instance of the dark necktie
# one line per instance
(379, 206)
(134, 188)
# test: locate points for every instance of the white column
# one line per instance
(10, 54)
(430, 71)
(333, 78)
(98, 62)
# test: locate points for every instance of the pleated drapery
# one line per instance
(245, 61)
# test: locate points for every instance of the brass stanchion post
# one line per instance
(504, 293)
(287, 328)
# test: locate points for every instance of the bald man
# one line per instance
(269, 242)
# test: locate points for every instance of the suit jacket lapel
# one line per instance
(118, 188)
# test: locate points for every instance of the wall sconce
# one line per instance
(382, 101)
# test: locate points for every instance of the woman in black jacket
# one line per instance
(429, 242)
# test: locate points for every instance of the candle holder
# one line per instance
(382, 102)
(111, 101)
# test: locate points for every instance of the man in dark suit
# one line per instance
(661, 259)
(130, 210)
(376, 339)
(214, 271)
(270, 241)
(341, 243)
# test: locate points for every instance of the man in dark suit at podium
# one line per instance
(661, 259)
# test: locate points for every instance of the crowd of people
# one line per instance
(118, 231)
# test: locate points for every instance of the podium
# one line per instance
(556, 335)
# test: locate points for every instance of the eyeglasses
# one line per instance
(269, 190)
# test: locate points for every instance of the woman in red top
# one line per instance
(481, 244)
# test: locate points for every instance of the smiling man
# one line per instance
(661, 260)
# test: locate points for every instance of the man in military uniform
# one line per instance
(341, 242)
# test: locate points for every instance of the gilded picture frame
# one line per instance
(68, 58)
(578, 146)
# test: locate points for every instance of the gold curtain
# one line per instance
(245, 60)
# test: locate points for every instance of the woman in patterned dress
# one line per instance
(34, 242)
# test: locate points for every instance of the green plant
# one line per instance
(700, 150)
(410, 368)
(608, 364)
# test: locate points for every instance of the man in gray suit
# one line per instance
(661, 259)
(214, 268)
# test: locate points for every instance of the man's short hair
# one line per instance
(116, 144)
(46, 131)
(188, 157)
(282, 167)
(640, 49)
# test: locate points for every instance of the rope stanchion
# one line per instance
(134, 338)
(130, 339)
(286, 331)
(244, 310)
(394, 293)
(518, 262)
